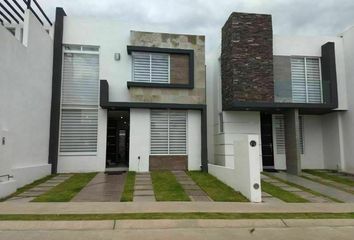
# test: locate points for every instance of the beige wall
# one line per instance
(166, 95)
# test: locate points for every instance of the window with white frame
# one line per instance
(79, 100)
(168, 132)
(151, 67)
(306, 80)
(279, 130)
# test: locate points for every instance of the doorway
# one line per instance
(117, 152)
(267, 141)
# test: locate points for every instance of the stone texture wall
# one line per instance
(166, 95)
(179, 69)
(168, 162)
(247, 59)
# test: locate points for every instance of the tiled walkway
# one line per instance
(317, 187)
(330, 182)
(143, 191)
(297, 191)
(102, 188)
(38, 190)
(194, 192)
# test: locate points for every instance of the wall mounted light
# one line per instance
(117, 56)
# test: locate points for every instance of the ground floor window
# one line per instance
(168, 132)
(279, 129)
(78, 130)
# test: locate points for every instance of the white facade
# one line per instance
(112, 38)
(25, 102)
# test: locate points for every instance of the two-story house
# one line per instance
(126, 99)
(290, 91)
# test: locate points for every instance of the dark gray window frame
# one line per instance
(188, 52)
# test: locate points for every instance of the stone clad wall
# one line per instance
(247, 59)
(179, 69)
(166, 95)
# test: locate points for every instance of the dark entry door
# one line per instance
(267, 140)
(117, 154)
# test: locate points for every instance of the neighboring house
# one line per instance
(26, 55)
(293, 92)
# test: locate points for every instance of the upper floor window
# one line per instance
(151, 67)
(306, 80)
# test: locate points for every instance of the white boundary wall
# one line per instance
(245, 176)
(25, 102)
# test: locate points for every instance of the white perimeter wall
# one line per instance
(25, 101)
(139, 142)
(235, 123)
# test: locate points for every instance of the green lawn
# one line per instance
(282, 194)
(65, 191)
(128, 193)
(29, 186)
(301, 187)
(193, 215)
(217, 190)
(333, 178)
(166, 187)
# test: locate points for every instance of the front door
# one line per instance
(267, 141)
(117, 152)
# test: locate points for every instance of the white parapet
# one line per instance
(245, 175)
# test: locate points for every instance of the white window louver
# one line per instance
(80, 79)
(78, 130)
(151, 67)
(306, 80)
(279, 129)
(168, 132)
(79, 103)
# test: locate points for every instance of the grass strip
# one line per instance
(192, 215)
(28, 186)
(302, 188)
(128, 192)
(217, 190)
(166, 187)
(65, 191)
(328, 184)
(282, 194)
(331, 177)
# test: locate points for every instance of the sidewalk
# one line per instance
(170, 207)
(180, 229)
(171, 224)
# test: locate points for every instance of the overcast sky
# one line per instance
(206, 17)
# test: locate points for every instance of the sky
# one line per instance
(206, 17)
